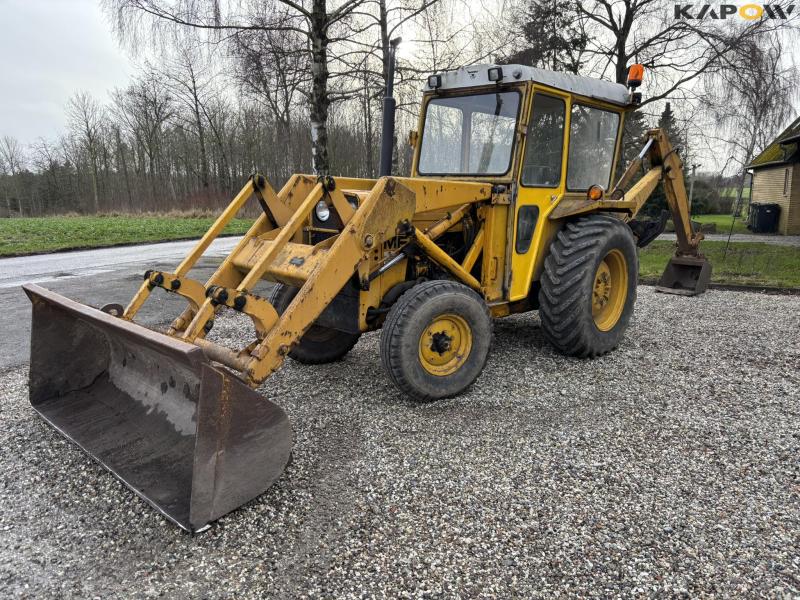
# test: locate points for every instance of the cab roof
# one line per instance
(477, 75)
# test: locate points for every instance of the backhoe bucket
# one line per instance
(189, 437)
(685, 275)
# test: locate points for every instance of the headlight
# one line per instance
(322, 211)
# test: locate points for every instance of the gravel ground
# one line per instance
(671, 467)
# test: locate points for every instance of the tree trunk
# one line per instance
(95, 195)
(124, 162)
(201, 139)
(367, 106)
(320, 102)
(622, 45)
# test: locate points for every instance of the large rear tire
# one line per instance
(436, 340)
(319, 345)
(588, 288)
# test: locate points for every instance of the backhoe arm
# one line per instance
(664, 155)
(688, 271)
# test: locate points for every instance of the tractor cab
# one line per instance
(522, 124)
(550, 137)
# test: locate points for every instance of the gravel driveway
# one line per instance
(670, 467)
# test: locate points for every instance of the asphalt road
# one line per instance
(94, 277)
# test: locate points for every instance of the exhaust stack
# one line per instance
(389, 109)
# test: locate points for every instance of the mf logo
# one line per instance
(749, 12)
(396, 242)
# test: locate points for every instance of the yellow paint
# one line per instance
(445, 344)
(474, 252)
(610, 290)
(526, 268)
(441, 257)
(493, 276)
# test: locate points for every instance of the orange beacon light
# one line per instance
(635, 75)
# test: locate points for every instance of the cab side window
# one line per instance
(544, 143)
(592, 139)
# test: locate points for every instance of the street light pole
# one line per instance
(691, 186)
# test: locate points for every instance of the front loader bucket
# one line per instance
(685, 275)
(189, 437)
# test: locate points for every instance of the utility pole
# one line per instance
(691, 185)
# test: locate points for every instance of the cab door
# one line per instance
(541, 184)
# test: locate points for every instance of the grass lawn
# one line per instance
(36, 235)
(723, 223)
(747, 263)
(733, 192)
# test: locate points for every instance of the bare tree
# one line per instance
(317, 23)
(145, 107)
(272, 67)
(12, 158)
(85, 116)
(676, 51)
(188, 75)
(752, 98)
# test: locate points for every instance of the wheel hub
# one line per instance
(441, 342)
(610, 290)
(445, 344)
(602, 286)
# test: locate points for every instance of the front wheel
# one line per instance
(588, 288)
(436, 339)
(319, 345)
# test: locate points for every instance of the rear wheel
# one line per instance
(319, 345)
(436, 340)
(588, 288)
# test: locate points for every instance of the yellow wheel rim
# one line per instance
(445, 345)
(610, 290)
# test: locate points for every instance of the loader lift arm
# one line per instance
(274, 248)
(157, 409)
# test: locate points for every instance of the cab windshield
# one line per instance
(469, 135)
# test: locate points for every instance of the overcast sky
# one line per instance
(49, 49)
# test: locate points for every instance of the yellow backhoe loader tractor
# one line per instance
(511, 206)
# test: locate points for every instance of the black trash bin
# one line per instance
(763, 218)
